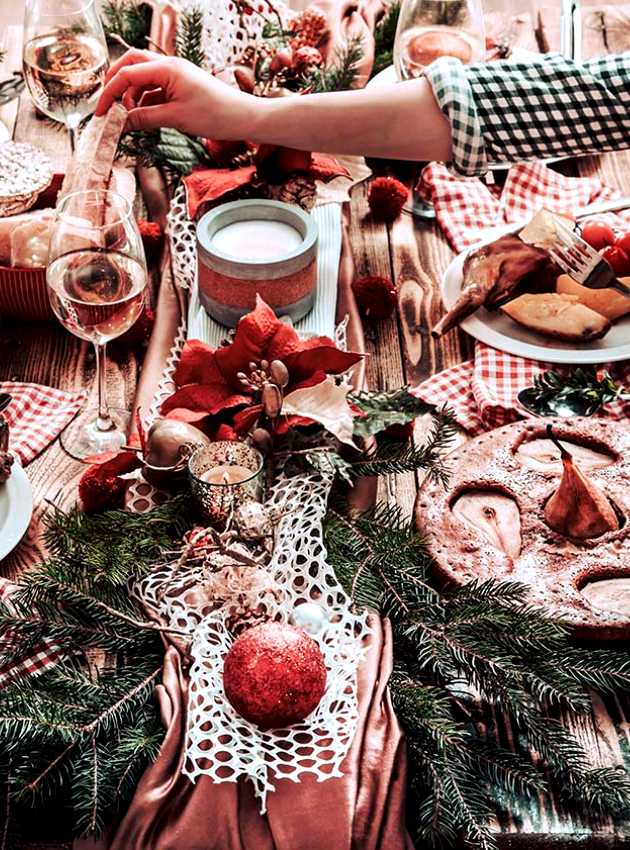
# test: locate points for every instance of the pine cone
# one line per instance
(297, 190)
(310, 29)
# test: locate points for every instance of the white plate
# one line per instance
(16, 508)
(496, 329)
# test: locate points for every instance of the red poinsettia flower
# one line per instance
(209, 393)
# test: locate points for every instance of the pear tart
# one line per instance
(548, 507)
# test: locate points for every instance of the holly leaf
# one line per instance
(330, 462)
(182, 153)
(382, 410)
(325, 403)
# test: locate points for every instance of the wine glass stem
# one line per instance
(104, 420)
(73, 125)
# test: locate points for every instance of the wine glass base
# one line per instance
(82, 439)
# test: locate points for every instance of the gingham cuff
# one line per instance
(453, 92)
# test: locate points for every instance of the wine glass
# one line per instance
(428, 29)
(97, 280)
(64, 59)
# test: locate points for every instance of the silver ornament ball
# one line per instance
(310, 617)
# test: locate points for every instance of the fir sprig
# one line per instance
(189, 36)
(384, 36)
(583, 390)
(483, 639)
(343, 72)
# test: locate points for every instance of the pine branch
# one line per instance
(189, 36)
(343, 73)
(384, 36)
(485, 639)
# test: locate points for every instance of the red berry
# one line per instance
(386, 198)
(597, 233)
(623, 242)
(274, 675)
(375, 296)
(618, 259)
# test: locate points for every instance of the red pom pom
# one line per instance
(152, 237)
(376, 296)
(274, 675)
(386, 198)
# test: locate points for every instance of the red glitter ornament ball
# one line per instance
(386, 198)
(274, 675)
(375, 296)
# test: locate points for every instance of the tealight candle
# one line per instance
(223, 476)
(256, 247)
(226, 474)
(257, 239)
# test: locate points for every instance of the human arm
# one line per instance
(379, 122)
(467, 115)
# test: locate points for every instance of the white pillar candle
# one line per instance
(257, 239)
(227, 474)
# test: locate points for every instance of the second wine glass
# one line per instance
(64, 59)
(429, 29)
(97, 279)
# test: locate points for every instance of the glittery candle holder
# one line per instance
(223, 476)
(255, 247)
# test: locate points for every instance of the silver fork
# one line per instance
(583, 263)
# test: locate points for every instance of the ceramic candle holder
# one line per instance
(223, 476)
(256, 246)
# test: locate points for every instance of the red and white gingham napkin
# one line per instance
(481, 393)
(40, 658)
(37, 415)
(466, 207)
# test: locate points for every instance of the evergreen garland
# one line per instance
(451, 649)
(73, 740)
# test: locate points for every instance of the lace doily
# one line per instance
(225, 33)
(221, 744)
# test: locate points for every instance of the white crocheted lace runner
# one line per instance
(220, 743)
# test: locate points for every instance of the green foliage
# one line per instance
(127, 19)
(582, 390)
(391, 458)
(343, 73)
(382, 409)
(167, 148)
(455, 648)
(189, 37)
(76, 737)
(384, 36)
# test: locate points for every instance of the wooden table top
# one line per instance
(413, 253)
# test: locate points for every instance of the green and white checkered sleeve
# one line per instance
(452, 90)
(539, 108)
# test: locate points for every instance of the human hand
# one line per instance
(163, 91)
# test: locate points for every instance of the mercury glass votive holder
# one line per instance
(223, 476)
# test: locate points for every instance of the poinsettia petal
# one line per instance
(204, 398)
(323, 357)
(286, 423)
(253, 334)
(182, 414)
(207, 184)
(285, 341)
(245, 419)
(326, 403)
(197, 365)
